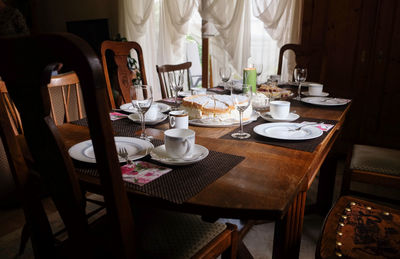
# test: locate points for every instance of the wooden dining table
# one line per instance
(271, 182)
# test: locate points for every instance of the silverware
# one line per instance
(123, 153)
(302, 126)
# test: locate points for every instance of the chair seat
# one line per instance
(176, 235)
(359, 229)
(375, 159)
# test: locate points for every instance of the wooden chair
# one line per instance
(163, 71)
(41, 53)
(116, 72)
(13, 113)
(308, 57)
(372, 165)
(356, 228)
(65, 98)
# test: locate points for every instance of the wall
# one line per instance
(361, 54)
(50, 15)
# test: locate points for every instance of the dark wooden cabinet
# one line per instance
(361, 60)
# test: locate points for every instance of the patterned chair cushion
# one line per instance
(376, 159)
(359, 229)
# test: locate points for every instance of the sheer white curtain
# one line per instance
(175, 16)
(282, 21)
(136, 23)
(231, 19)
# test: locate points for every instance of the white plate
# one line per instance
(137, 148)
(160, 154)
(160, 117)
(214, 123)
(291, 117)
(280, 130)
(323, 94)
(162, 107)
(325, 101)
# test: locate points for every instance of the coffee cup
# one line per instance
(178, 120)
(179, 143)
(152, 113)
(279, 109)
(315, 89)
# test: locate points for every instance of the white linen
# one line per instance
(282, 20)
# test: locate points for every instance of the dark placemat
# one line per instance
(303, 145)
(182, 182)
(122, 127)
(218, 90)
(297, 103)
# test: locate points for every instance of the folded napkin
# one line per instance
(322, 126)
(116, 116)
(141, 172)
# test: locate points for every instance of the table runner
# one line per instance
(183, 182)
(303, 145)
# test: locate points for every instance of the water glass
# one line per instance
(300, 75)
(175, 79)
(225, 74)
(142, 98)
(241, 103)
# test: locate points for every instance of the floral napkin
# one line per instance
(141, 172)
(322, 126)
(116, 116)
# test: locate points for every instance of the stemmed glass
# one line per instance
(300, 75)
(142, 98)
(225, 74)
(176, 84)
(259, 69)
(241, 103)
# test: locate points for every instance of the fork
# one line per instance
(122, 152)
(302, 126)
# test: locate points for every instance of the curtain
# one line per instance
(231, 19)
(136, 23)
(174, 24)
(282, 21)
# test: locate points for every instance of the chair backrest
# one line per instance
(28, 89)
(120, 77)
(12, 111)
(163, 71)
(308, 57)
(65, 98)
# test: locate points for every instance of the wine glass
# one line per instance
(225, 74)
(142, 98)
(259, 69)
(300, 75)
(241, 103)
(175, 79)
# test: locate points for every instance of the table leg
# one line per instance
(287, 236)
(326, 184)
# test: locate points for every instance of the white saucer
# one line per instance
(160, 154)
(162, 107)
(137, 148)
(325, 101)
(291, 117)
(160, 117)
(323, 94)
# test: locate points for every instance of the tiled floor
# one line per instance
(258, 240)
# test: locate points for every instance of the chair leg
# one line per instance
(346, 181)
(231, 252)
(25, 235)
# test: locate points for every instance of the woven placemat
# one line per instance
(303, 145)
(183, 182)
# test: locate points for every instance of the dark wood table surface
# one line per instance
(270, 183)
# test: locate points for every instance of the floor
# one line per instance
(258, 240)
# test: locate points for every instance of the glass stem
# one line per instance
(241, 124)
(176, 99)
(298, 91)
(142, 119)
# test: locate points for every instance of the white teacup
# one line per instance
(152, 113)
(178, 120)
(279, 109)
(315, 89)
(179, 143)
